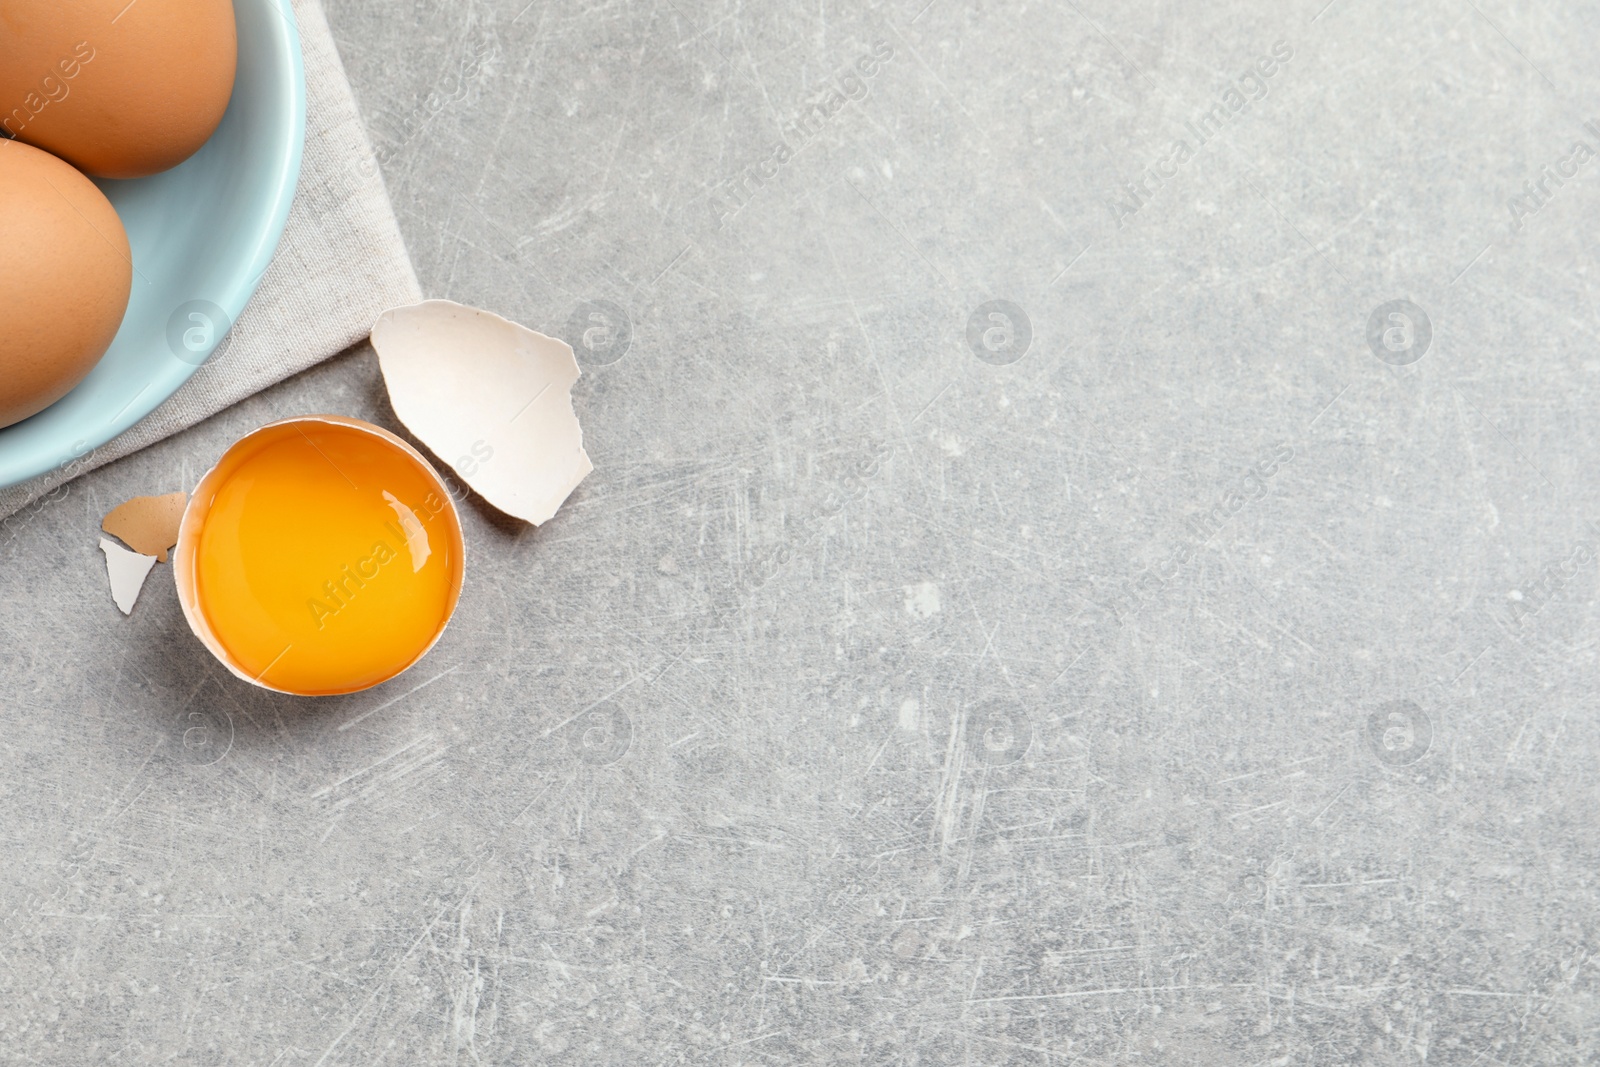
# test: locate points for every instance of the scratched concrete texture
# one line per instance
(1090, 560)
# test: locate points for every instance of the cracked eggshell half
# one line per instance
(300, 524)
(493, 399)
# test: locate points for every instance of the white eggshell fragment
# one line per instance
(127, 571)
(491, 398)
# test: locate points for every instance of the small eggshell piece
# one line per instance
(127, 571)
(148, 524)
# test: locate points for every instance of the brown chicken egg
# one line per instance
(65, 276)
(117, 89)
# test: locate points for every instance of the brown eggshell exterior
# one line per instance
(65, 276)
(159, 77)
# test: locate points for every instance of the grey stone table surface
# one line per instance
(1090, 559)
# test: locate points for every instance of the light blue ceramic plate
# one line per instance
(202, 235)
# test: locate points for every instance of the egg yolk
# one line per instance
(326, 562)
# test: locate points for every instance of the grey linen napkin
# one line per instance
(340, 264)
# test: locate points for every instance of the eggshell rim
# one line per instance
(185, 553)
